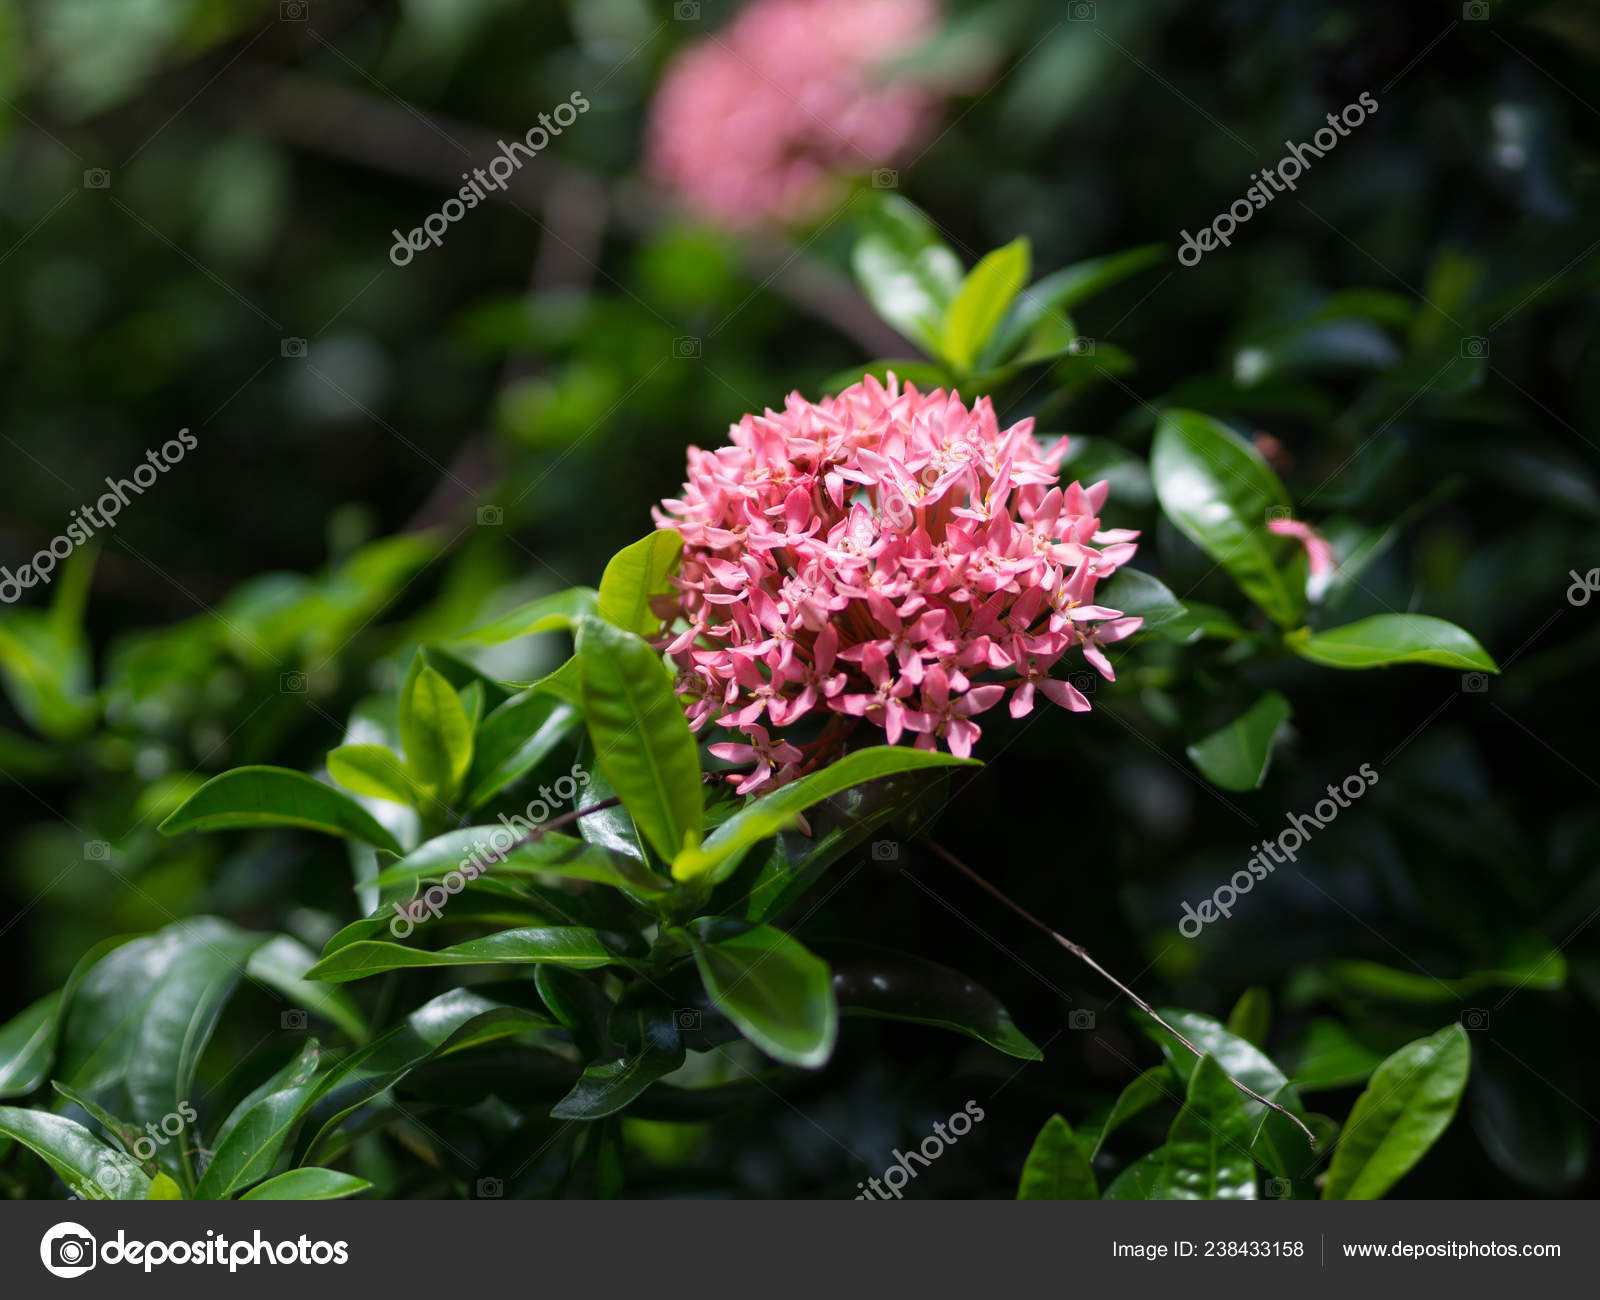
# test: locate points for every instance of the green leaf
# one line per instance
(1529, 963)
(1138, 594)
(605, 1087)
(555, 613)
(883, 984)
(779, 994)
(435, 731)
(1062, 290)
(282, 962)
(641, 739)
(635, 574)
(1331, 1056)
(308, 1184)
(1408, 1104)
(476, 851)
(27, 1047)
(909, 273)
(1251, 1016)
(1278, 1144)
(726, 846)
(1219, 492)
(1154, 1085)
(1393, 639)
(982, 300)
(275, 796)
(88, 1166)
(162, 1188)
(1056, 1169)
(252, 1137)
(1208, 1146)
(563, 945)
(514, 739)
(376, 772)
(1139, 1180)
(1237, 756)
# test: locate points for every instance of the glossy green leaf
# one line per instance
(1150, 1087)
(562, 945)
(605, 1087)
(478, 851)
(1056, 1169)
(1393, 639)
(1139, 595)
(1236, 757)
(884, 984)
(726, 846)
(555, 613)
(275, 796)
(1331, 1056)
(27, 1047)
(282, 962)
(376, 772)
(635, 574)
(1408, 1104)
(1208, 1147)
(908, 272)
(982, 300)
(1277, 1143)
(779, 994)
(435, 731)
(308, 1184)
(1220, 493)
(92, 1169)
(515, 738)
(642, 741)
(252, 1138)
(1139, 1180)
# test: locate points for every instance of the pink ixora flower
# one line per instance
(1319, 552)
(886, 557)
(756, 121)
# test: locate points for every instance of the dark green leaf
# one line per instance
(1062, 290)
(556, 613)
(92, 1169)
(1208, 1146)
(562, 945)
(1251, 1017)
(253, 1136)
(606, 1087)
(27, 1047)
(780, 995)
(1138, 1181)
(514, 739)
(1138, 594)
(276, 796)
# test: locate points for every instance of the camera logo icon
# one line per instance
(491, 516)
(1082, 346)
(1475, 11)
(885, 851)
(885, 178)
(293, 683)
(1475, 683)
(68, 1250)
(96, 851)
(97, 178)
(688, 1018)
(686, 11)
(490, 1189)
(293, 11)
(1475, 1018)
(1475, 348)
(686, 347)
(1279, 1189)
(1080, 1019)
(294, 1018)
(1083, 682)
(292, 347)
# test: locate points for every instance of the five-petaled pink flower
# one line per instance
(887, 557)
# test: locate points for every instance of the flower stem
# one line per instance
(1077, 950)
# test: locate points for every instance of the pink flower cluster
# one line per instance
(755, 121)
(884, 556)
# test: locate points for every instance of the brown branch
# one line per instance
(1078, 951)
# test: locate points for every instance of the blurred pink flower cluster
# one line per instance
(756, 121)
(885, 556)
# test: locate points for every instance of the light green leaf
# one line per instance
(1208, 1146)
(635, 574)
(726, 846)
(909, 273)
(1056, 1169)
(376, 772)
(89, 1167)
(1407, 1105)
(1219, 492)
(163, 1188)
(308, 1184)
(1139, 1180)
(1393, 639)
(435, 731)
(982, 300)
(641, 739)
(1237, 756)
(275, 796)
(555, 613)
(777, 993)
